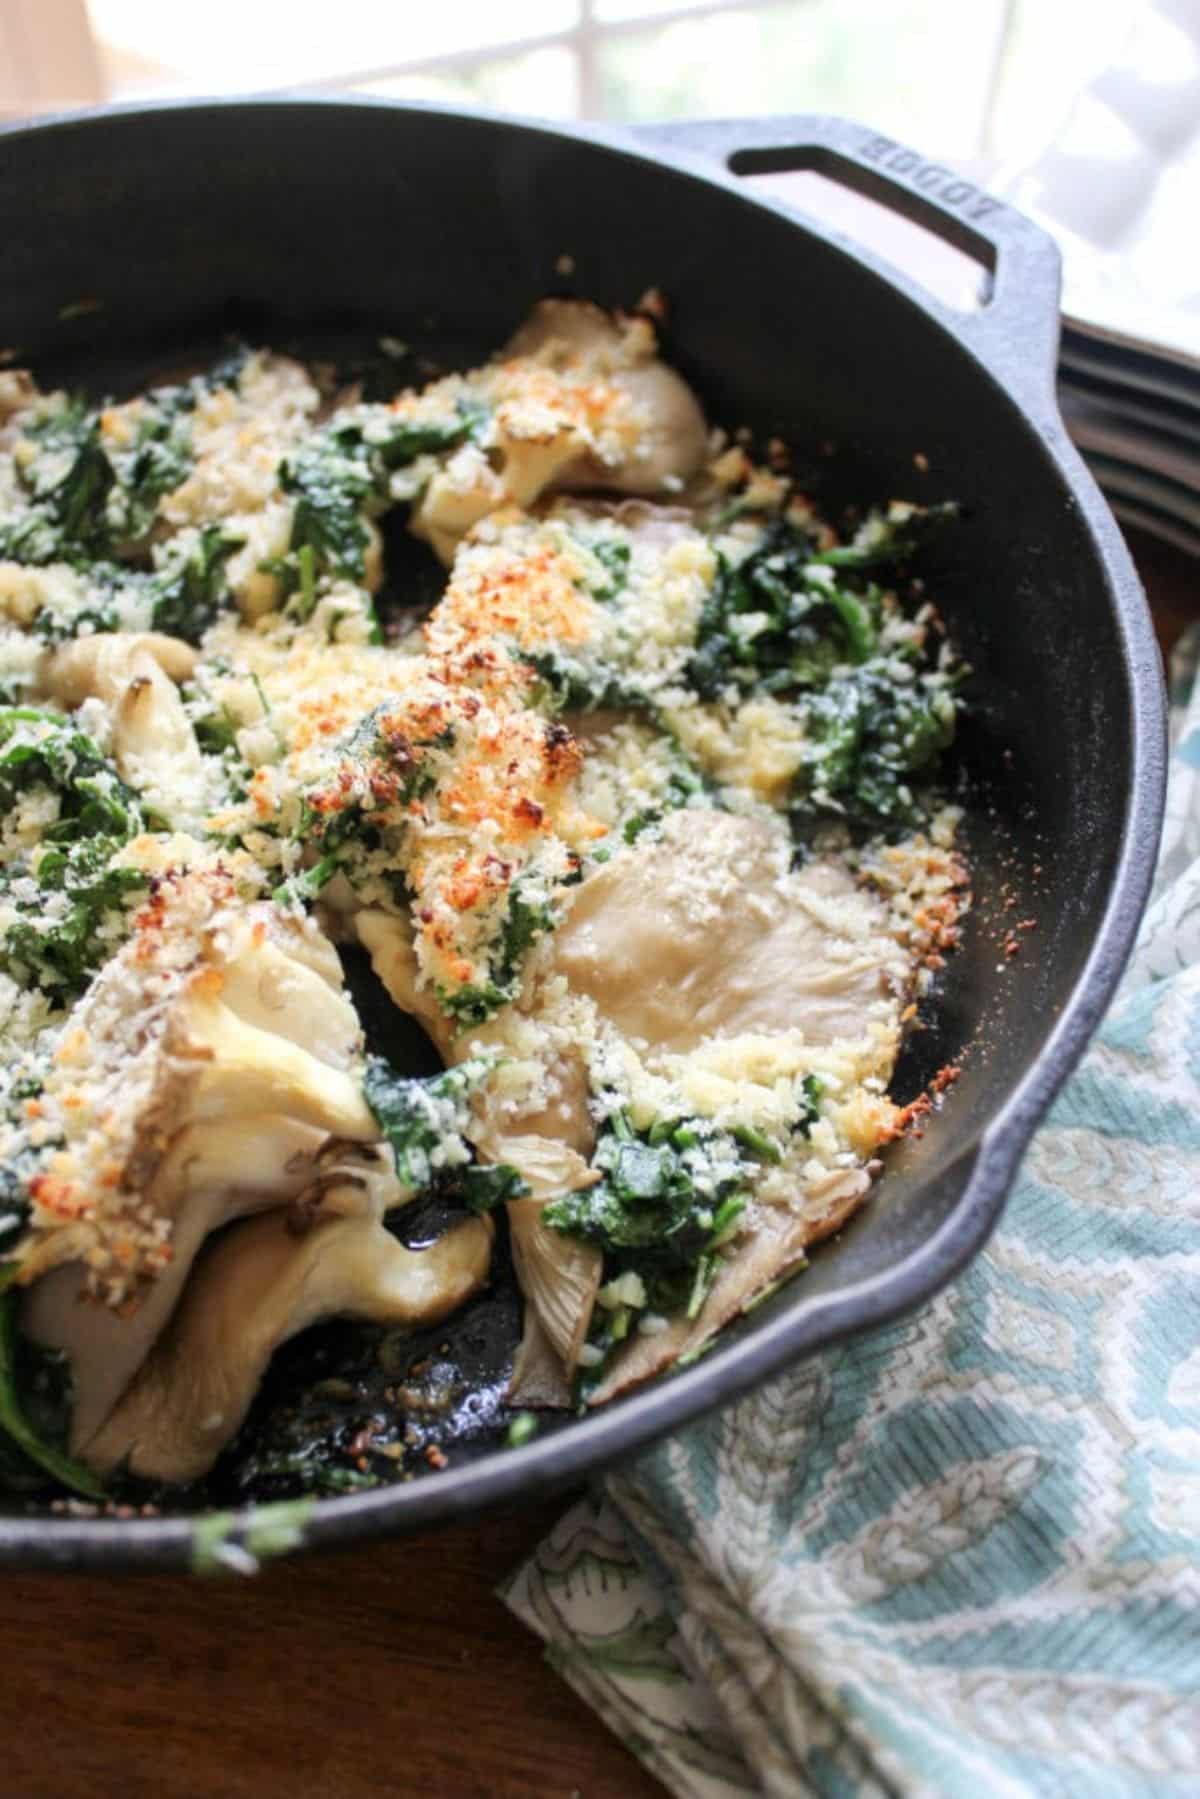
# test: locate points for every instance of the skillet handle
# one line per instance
(1015, 331)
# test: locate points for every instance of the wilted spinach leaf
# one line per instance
(424, 1119)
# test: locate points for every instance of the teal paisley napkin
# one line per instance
(962, 1555)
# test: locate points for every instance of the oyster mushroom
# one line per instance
(214, 1173)
(207, 1068)
(18, 391)
(578, 401)
(698, 936)
(134, 674)
(388, 940)
(558, 1275)
(258, 1285)
(673, 437)
(774, 1248)
(702, 934)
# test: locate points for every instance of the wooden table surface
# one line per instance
(386, 1670)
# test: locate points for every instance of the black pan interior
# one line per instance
(134, 240)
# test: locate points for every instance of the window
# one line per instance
(982, 81)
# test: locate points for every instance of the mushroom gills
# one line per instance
(257, 1286)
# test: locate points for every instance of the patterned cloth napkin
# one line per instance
(961, 1555)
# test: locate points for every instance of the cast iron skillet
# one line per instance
(132, 234)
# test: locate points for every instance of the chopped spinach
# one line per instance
(341, 476)
(485, 1188)
(92, 495)
(567, 685)
(683, 786)
(669, 1197)
(406, 439)
(647, 1198)
(300, 888)
(889, 538)
(31, 537)
(100, 610)
(330, 482)
(67, 479)
(188, 594)
(78, 500)
(87, 495)
(613, 555)
(524, 922)
(666, 1199)
(424, 1119)
(60, 955)
(473, 1003)
(395, 769)
(64, 889)
(160, 457)
(16, 1172)
(216, 732)
(777, 622)
(33, 1379)
(868, 733)
(809, 628)
(40, 748)
(158, 462)
(105, 504)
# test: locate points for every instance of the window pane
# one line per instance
(1052, 52)
(543, 83)
(606, 10)
(156, 44)
(918, 68)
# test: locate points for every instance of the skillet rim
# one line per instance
(541, 1467)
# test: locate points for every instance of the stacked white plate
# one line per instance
(1119, 187)
(1134, 411)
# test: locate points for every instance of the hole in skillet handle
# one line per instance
(985, 272)
(952, 275)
